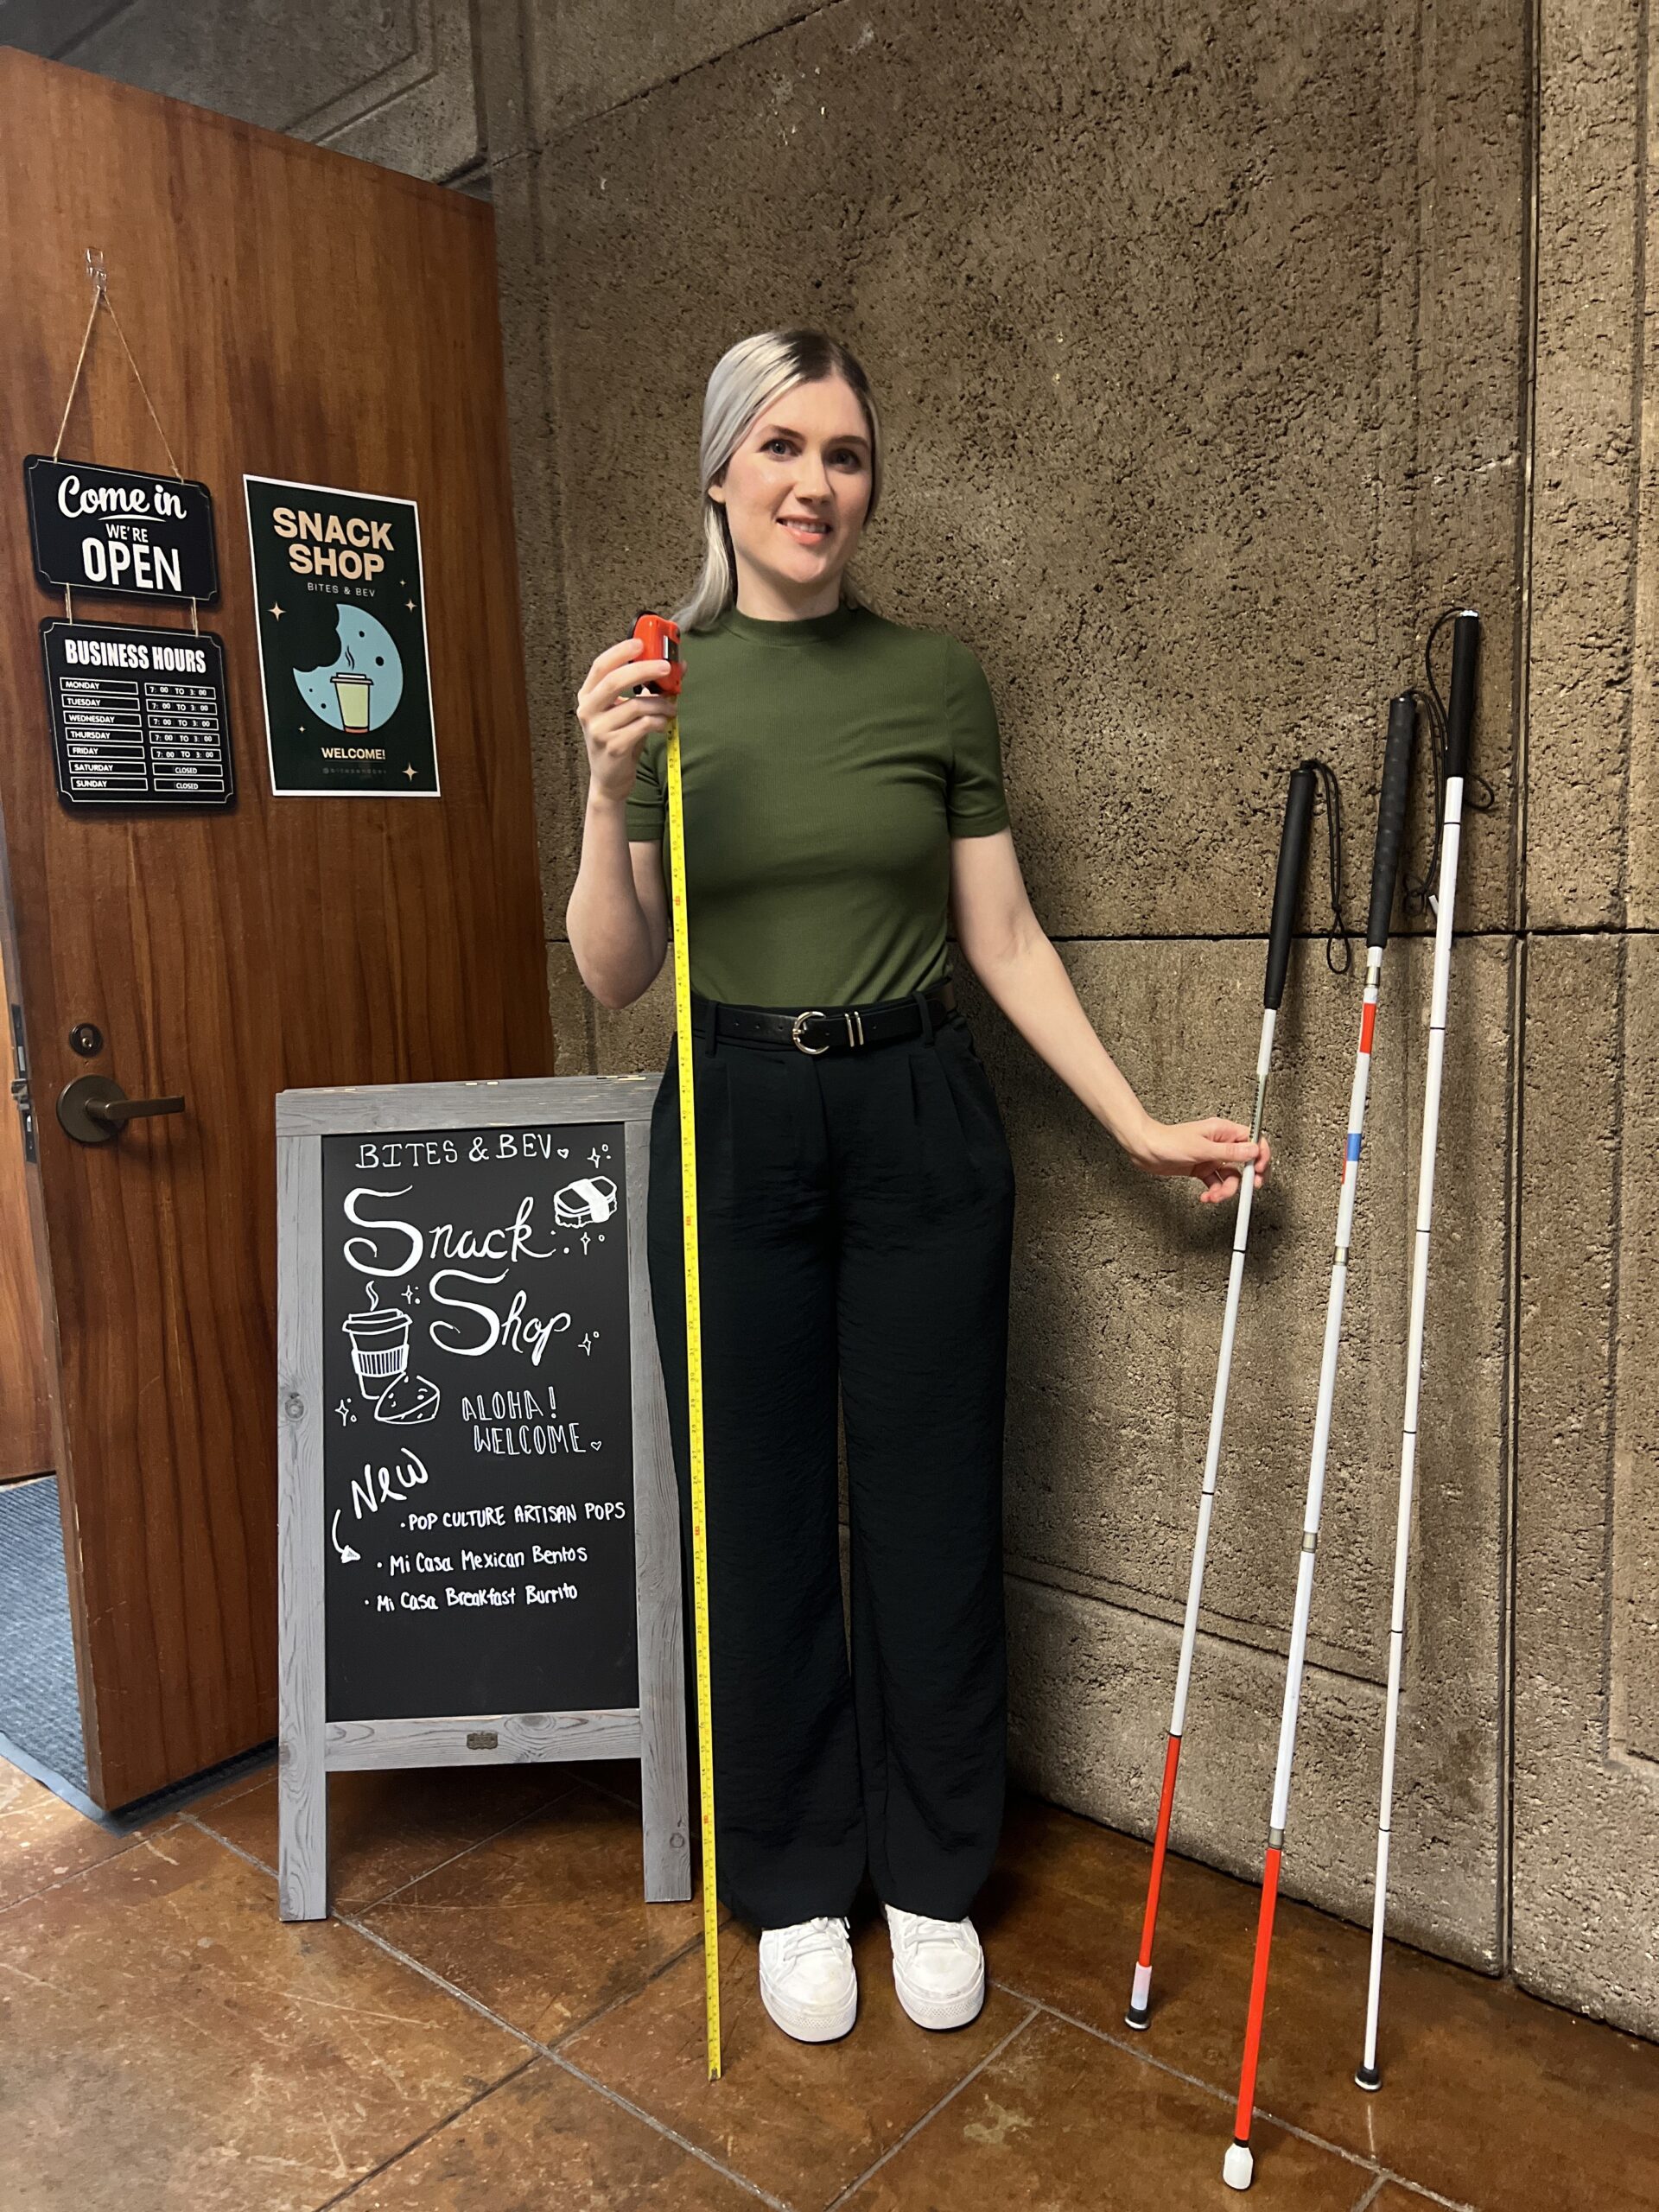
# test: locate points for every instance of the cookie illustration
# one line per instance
(410, 1399)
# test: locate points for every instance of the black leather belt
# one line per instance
(820, 1029)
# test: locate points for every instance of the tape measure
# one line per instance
(662, 641)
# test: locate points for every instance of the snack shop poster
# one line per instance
(342, 642)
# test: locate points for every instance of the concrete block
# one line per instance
(1089, 1705)
(1592, 808)
(635, 1039)
(558, 764)
(1586, 1779)
(1169, 474)
(393, 84)
(551, 65)
(1635, 1605)
(426, 118)
(51, 27)
(571, 1008)
(1119, 1289)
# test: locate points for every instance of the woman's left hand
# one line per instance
(1212, 1150)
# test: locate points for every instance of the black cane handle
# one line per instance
(1287, 883)
(1391, 816)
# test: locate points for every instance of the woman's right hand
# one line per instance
(614, 728)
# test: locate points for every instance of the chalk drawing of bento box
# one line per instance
(591, 1197)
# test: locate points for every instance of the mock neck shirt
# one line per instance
(826, 765)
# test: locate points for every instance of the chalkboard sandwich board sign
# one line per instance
(479, 1533)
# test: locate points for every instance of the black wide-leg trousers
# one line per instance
(855, 1222)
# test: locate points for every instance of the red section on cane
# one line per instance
(1258, 1997)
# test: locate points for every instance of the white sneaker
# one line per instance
(807, 1979)
(939, 1968)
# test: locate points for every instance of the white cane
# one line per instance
(1238, 2167)
(1465, 644)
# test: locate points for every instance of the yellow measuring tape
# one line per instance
(693, 1394)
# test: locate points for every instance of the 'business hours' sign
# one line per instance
(342, 611)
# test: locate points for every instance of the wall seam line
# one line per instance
(90, 30)
(1615, 1258)
(1521, 740)
(1638, 367)
(581, 123)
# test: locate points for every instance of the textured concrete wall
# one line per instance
(1586, 1538)
(1116, 1322)
(1586, 1783)
(391, 81)
(1198, 334)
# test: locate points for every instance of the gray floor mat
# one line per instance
(38, 1709)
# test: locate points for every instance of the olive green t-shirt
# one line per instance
(826, 764)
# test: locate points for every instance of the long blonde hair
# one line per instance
(747, 378)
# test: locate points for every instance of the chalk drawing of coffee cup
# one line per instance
(591, 1197)
(379, 1346)
(353, 691)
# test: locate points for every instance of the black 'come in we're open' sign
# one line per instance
(131, 533)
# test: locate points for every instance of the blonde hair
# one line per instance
(747, 378)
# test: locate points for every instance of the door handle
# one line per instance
(94, 1108)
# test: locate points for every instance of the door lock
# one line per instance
(94, 1108)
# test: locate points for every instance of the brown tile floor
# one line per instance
(493, 2021)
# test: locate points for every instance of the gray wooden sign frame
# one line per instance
(312, 1746)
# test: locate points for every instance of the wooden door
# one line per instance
(25, 1392)
(297, 314)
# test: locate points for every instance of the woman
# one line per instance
(842, 786)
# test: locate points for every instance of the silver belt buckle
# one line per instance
(851, 1016)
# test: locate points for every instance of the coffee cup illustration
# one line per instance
(352, 690)
(379, 1346)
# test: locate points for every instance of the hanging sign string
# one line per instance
(100, 277)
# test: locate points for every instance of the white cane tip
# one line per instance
(1238, 2167)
